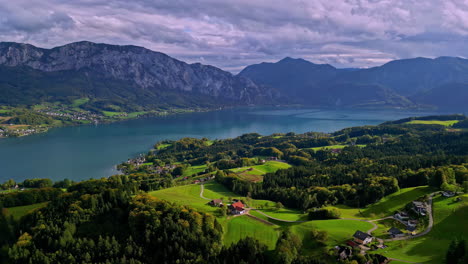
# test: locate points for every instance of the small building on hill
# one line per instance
(343, 252)
(395, 232)
(362, 238)
(420, 207)
(401, 215)
(216, 202)
(237, 208)
(448, 194)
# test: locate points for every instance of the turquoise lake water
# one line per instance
(92, 151)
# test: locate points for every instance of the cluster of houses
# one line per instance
(207, 178)
(137, 161)
(235, 208)
(448, 194)
(419, 208)
(84, 115)
(360, 239)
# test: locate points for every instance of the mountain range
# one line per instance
(135, 78)
(123, 76)
(420, 82)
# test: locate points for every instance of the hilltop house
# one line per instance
(343, 252)
(401, 216)
(362, 238)
(216, 202)
(448, 194)
(420, 207)
(237, 208)
(395, 232)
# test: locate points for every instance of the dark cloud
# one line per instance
(233, 33)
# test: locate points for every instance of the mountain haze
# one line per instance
(400, 83)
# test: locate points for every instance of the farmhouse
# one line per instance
(362, 238)
(395, 232)
(216, 202)
(448, 194)
(343, 252)
(401, 216)
(237, 208)
(336, 151)
(419, 207)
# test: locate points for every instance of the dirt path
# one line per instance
(202, 186)
(259, 219)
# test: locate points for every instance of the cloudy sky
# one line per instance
(233, 34)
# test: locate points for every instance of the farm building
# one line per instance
(395, 232)
(419, 207)
(362, 238)
(216, 202)
(237, 208)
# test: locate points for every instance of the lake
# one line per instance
(92, 151)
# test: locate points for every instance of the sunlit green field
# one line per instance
(194, 170)
(336, 147)
(243, 226)
(338, 230)
(20, 211)
(433, 122)
(387, 205)
(255, 173)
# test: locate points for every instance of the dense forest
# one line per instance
(114, 220)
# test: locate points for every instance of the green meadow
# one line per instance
(243, 226)
(433, 122)
(194, 170)
(387, 205)
(20, 211)
(256, 173)
(336, 147)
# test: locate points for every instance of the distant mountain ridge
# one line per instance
(400, 83)
(126, 75)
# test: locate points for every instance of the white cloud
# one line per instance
(233, 33)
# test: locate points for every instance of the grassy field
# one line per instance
(111, 114)
(243, 226)
(387, 205)
(80, 101)
(338, 230)
(255, 173)
(433, 122)
(185, 195)
(336, 147)
(194, 170)
(20, 211)
(449, 223)
(163, 146)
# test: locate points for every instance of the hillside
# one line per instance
(255, 199)
(404, 83)
(451, 96)
(128, 76)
